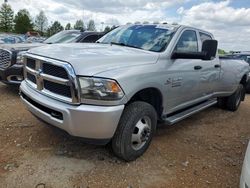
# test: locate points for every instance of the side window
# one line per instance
(90, 39)
(248, 59)
(188, 42)
(204, 37)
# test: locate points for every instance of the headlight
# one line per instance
(19, 57)
(100, 89)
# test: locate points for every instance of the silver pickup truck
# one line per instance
(116, 90)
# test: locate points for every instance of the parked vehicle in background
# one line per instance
(240, 55)
(245, 175)
(32, 34)
(11, 62)
(243, 56)
(12, 39)
(116, 89)
(35, 39)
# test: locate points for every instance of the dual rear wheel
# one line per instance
(233, 102)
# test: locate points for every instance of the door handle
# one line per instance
(197, 67)
(217, 66)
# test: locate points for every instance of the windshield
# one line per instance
(63, 37)
(146, 37)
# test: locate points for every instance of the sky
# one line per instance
(228, 20)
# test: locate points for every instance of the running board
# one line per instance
(182, 115)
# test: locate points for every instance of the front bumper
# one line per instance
(12, 75)
(245, 175)
(86, 121)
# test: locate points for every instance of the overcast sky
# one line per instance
(228, 20)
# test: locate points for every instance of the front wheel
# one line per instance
(135, 131)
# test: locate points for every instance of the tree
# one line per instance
(91, 26)
(113, 27)
(107, 29)
(68, 26)
(79, 25)
(23, 22)
(6, 18)
(222, 52)
(41, 22)
(55, 28)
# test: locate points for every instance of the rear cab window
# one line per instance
(204, 36)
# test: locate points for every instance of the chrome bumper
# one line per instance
(86, 121)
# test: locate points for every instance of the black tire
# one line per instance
(233, 101)
(222, 102)
(122, 145)
(248, 87)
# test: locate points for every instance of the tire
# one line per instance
(222, 102)
(138, 117)
(248, 87)
(233, 101)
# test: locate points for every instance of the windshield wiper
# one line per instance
(123, 44)
(118, 43)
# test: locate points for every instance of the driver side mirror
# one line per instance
(209, 50)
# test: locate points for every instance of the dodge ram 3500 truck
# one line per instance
(11, 62)
(114, 91)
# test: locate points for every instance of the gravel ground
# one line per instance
(205, 150)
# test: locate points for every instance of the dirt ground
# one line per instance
(205, 150)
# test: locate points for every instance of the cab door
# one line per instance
(210, 71)
(183, 76)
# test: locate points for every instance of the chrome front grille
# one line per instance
(5, 58)
(51, 77)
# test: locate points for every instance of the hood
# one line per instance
(21, 46)
(91, 59)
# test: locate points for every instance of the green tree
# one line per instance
(41, 22)
(113, 27)
(68, 26)
(91, 26)
(222, 52)
(55, 28)
(79, 25)
(6, 18)
(23, 22)
(107, 29)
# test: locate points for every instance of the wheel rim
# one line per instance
(141, 133)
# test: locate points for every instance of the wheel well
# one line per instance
(152, 96)
(244, 81)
